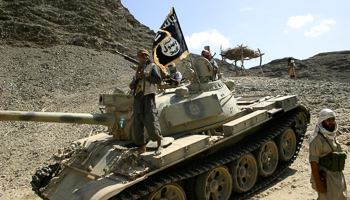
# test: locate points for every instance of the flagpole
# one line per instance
(195, 71)
(170, 44)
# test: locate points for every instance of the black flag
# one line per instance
(169, 44)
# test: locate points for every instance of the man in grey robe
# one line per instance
(144, 83)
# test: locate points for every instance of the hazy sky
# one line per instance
(298, 28)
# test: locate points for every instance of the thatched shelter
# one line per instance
(241, 53)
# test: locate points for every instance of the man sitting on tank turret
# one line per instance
(174, 78)
(206, 54)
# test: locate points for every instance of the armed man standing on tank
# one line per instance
(144, 84)
(206, 54)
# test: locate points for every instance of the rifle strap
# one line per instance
(143, 81)
(335, 139)
(326, 140)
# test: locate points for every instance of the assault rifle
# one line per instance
(128, 58)
(136, 81)
(211, 57)
(133, 60)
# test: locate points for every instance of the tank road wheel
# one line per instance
(267, 158)
(300, 124)
(171, 191)
(214, 184)
(287, 144)
(244, 173)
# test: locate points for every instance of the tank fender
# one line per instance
(276, 112)
(102, 189)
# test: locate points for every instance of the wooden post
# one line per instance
(222, 60)
(242, 59)
(262, 73)
(219, 70)
(236, 68)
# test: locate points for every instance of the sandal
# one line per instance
(158, 152)
(137, 151)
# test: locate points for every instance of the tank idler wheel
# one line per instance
(300, 124)
(171, 191)
(267, 158)
(287, 144)
(214, 184)
(42, 177)
(244, 173)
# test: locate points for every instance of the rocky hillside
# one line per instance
(330, 66)
(95, 24)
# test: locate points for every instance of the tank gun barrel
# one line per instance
(107, 119)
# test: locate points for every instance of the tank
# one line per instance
(216, 145)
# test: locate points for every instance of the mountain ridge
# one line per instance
(108, 26)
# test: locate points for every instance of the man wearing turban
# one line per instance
(144, 83)
(329, 184)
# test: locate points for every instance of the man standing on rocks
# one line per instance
(327, 159)
(291, 68)
(144, 84)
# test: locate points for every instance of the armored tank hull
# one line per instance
(216, 146)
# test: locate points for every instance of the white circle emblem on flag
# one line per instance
(170, 47)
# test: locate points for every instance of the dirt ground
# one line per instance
(69, 79)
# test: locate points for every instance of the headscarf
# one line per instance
(145, 52)
(206, 54)
(172, 67)
(324, 114)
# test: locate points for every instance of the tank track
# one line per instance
(222, 157)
